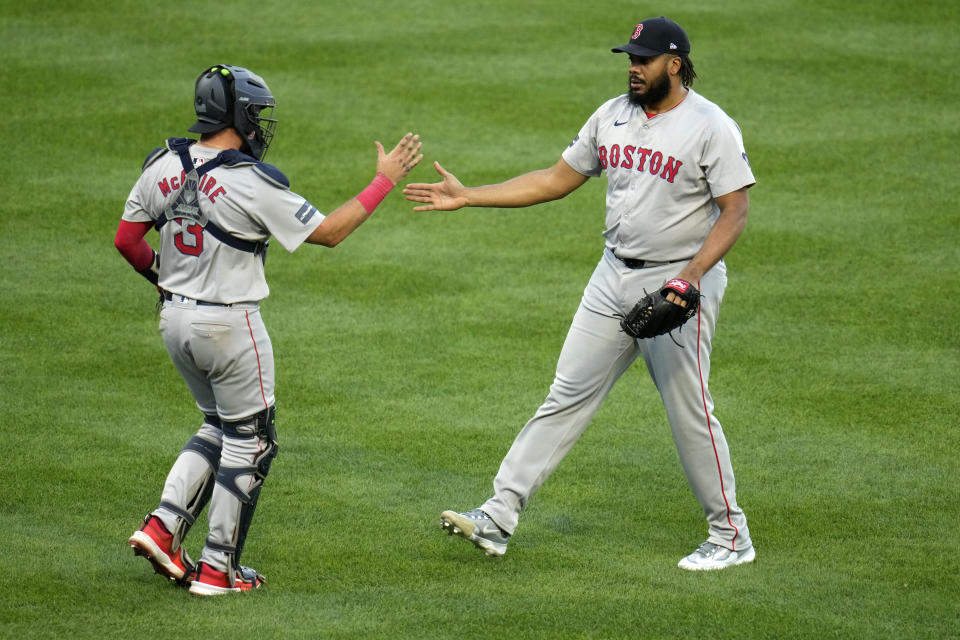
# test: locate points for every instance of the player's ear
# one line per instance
(674, 65)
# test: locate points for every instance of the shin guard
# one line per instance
(249, 447)
(190, 482)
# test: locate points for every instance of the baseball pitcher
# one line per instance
(677, 180)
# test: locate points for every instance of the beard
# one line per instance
(657, 90)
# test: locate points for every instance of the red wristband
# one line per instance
(375, 192)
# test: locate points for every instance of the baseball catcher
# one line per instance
(655, 315)
(215, 205)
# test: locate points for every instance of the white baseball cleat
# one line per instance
(477, 527)
(709, 556)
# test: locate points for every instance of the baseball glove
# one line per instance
(654, 315)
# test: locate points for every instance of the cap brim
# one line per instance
(206, 127)
(637, 50)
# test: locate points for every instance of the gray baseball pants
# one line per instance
(226, 358)
(594, 356)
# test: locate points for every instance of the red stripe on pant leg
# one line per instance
(257, 353)
(713, 442)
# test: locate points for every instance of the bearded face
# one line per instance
(647, 92)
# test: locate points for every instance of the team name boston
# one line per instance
(625, 159)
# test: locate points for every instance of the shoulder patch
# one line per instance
(152, 157)
(272, 175)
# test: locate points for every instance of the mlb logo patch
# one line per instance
(636, 32)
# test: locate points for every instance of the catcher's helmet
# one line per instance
(228, 96)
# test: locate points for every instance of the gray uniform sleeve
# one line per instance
(581, 155)
(134, 210)
(289, 217)
(266, 204)
(724, 160)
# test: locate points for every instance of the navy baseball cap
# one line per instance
(654, 36)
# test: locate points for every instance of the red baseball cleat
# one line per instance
(153, 542)
(207, 581)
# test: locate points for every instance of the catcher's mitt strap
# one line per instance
(686, 291)
(678, 285)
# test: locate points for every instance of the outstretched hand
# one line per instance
(448, 195)
(399, 162)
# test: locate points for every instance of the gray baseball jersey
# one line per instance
(663, 173)
(245, 200)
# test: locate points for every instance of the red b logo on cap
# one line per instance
(636, 32)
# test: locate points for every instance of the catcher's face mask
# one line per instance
(260, 126)
(229, 96)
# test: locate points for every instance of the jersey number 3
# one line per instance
(190, 240)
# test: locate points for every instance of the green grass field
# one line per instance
(409, 357)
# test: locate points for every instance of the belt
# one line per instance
(634, 263)
(175, 297)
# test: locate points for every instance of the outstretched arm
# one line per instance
(391, 168)
(535, 187)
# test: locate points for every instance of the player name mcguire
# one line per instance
(639, 158)
(207, 182)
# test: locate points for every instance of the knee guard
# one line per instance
(190, 483)
(262, 428)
